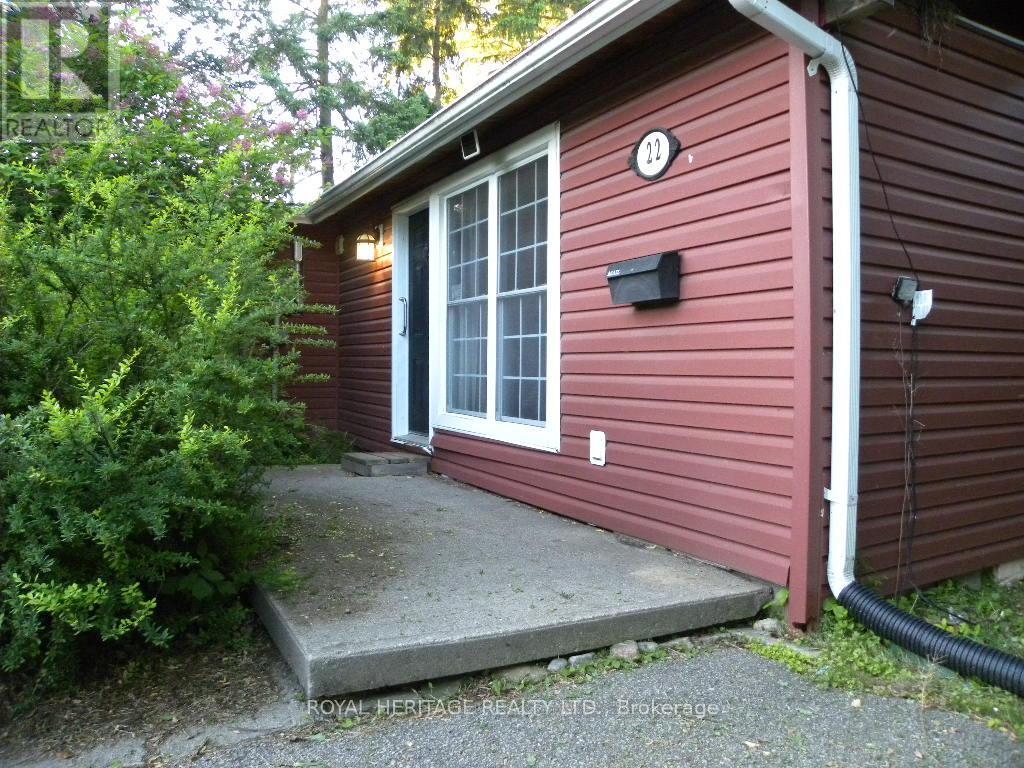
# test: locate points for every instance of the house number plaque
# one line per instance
(653, 154)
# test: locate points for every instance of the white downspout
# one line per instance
(829, 53)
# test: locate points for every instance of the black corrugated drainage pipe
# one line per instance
(958, 653)
(964, 656)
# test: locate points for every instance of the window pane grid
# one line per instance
(467, 357)
(522, 294)
(465, 227)
(467, 243)
(467, 301)
(523, 381)
(524, 206)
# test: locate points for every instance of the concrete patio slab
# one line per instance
(415, 578)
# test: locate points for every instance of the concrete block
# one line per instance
(406, 469)
(1010, 573)
(971, 581)
(400, 457)
(385, 463)
(360, 463)
(367, 458)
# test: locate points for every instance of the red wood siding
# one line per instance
(946, 126)
(357, 398)
(697, 398)
(364, 348)
(320, 279)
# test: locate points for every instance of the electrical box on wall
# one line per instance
(598, 447)
(646, 281)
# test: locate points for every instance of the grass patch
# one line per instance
(796, 661)
(855, 659)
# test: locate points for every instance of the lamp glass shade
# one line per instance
(366, 248)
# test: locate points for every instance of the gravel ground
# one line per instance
(726, 708)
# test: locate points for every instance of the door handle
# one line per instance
(405, 316)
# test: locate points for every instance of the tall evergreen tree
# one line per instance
(365, 72)
(419, 32)
(518, 23)
(420, 44)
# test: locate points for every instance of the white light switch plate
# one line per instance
(598, 446)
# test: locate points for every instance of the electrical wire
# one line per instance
(912, 434)
(907, 394)
(871, 153)
(912, 430)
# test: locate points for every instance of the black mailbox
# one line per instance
(647, 280)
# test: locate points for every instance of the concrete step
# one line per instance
(429, 579)
(385, 463)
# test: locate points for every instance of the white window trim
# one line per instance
(546, 437)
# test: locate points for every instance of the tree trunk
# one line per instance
(435, 53)
(323, 67)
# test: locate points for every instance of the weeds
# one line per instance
(855, 659)
(796, 661)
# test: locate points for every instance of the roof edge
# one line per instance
(594, 27)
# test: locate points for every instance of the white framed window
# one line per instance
(495, 320)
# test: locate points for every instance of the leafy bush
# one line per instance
(143, 340)
(109, 507)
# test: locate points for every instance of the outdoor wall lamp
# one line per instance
(366, 247)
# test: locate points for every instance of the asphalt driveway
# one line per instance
(728, 707)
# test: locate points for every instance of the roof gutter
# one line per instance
(994, 34)
(881, 617)
(589, 30)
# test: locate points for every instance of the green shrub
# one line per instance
(144, 337)
(109, 509)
